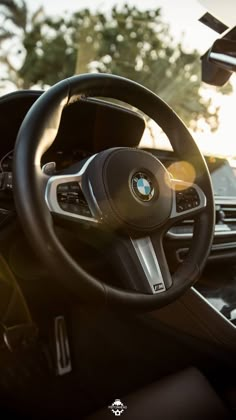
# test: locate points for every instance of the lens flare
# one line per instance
(183, 171)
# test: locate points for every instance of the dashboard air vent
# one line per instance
(226, 213)
(225, 223)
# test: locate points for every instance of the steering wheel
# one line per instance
(122, 190)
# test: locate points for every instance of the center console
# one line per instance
(218, 287)
(218, 282)
(195, 316)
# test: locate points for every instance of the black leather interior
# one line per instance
(184, 396)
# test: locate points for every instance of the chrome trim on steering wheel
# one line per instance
(51, 194)
(148, 260)
(176, 187)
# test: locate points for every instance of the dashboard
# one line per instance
(93, 125)
(222, 174)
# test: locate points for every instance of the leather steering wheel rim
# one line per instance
(36, 135)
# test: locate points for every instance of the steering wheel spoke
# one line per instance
(65, 198)
(143, 264)
(188, 200)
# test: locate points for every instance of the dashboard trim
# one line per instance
(172, 235)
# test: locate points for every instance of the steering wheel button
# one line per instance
(62, 199)
(191, 190)
(63, 188)
(84, 211)
(74, 208)
(72, 197)
(64, 206)
(179, 208)
(74, 187)
(179, 197)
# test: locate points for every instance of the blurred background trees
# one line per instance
(36, 49)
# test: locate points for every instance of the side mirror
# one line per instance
(212, 74)
(223, 54)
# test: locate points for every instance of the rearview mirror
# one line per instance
(223, 54)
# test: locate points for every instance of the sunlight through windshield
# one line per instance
(151, 42)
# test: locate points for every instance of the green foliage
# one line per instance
(128, 42)
(14, 11)
(49, 56)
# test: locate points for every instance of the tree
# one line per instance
(15, 22)
(126, 41)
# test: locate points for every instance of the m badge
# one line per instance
(158, 287)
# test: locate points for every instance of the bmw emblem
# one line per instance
(142, 186)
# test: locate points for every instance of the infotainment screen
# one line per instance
(223, 177)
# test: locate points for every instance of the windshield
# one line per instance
(157, 43)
